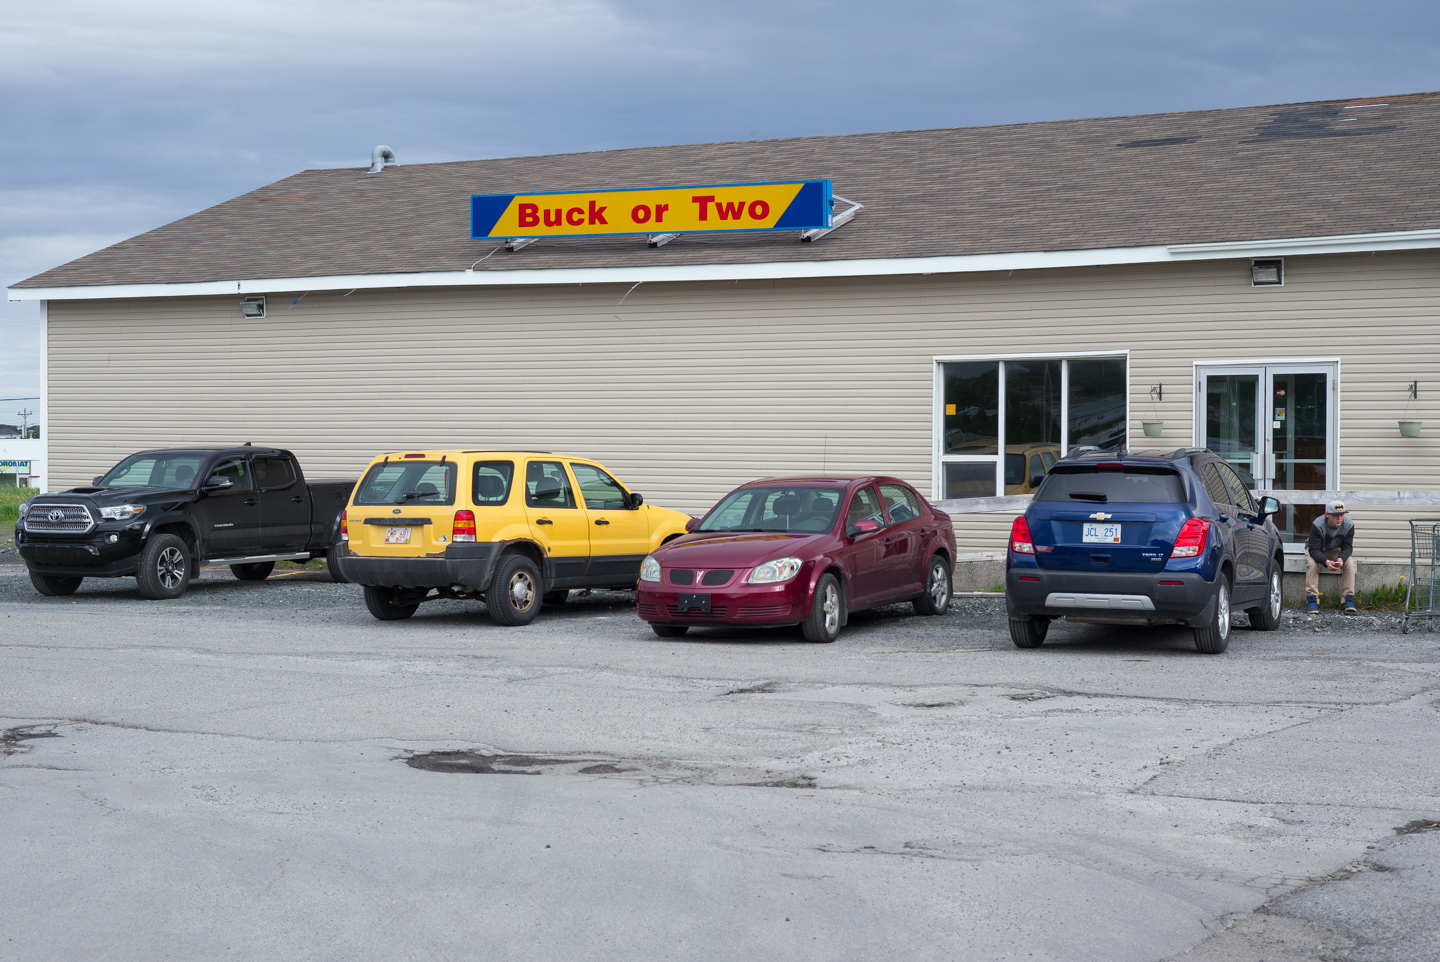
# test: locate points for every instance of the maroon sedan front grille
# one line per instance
(648, 611)
(763, 611)
(682, 576)
(715, 613)
(719, 576)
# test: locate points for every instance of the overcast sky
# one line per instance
(120, 117)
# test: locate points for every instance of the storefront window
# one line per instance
(1005, 423)
(972, 408)
(1096, 416)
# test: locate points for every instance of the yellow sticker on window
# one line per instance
(950, 410)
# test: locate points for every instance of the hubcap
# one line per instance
(1275, 595)
(1222, 612)
(939, 588)
(830, 604)
(171, 567)
(522, 590)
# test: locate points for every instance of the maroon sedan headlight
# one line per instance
(771, 572)
(650, 569)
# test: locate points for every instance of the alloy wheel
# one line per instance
(830, 604)
(522, 591)
(939, 587)
(170, 568)
(1222, 611)
(1275, 595)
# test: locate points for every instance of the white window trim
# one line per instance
(940, 459)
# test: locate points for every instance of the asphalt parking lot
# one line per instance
(263, 771)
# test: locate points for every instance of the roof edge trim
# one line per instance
(774, 270)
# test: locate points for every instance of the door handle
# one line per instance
(601, 521)
(298, 500)
(543, 521)
(251, 501)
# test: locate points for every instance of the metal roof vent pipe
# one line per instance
(380, 158)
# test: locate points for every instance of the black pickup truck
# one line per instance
(158, 515)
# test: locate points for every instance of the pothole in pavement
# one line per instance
(472, 762)
(12, 740)
(765, 688)
(1418, 826)
(930, 704)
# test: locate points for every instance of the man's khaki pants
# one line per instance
(1313, 569)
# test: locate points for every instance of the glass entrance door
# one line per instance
(1276, 424)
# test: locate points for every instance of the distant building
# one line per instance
(10, 431)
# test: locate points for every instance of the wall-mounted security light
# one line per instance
(253, 307)
(1267, 273)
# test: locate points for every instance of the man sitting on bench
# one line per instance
(1331, 542)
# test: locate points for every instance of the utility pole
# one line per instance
(25, 417)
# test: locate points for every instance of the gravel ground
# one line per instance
(263, 771)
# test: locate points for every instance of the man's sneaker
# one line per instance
(1348, 605)
(1312, 603)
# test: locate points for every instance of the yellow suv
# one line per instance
(516, 528)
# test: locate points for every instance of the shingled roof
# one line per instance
(1256, 173)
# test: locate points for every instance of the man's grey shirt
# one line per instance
(1324, 538)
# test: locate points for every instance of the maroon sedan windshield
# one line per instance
(779, 508)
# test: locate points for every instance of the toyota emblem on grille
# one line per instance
(56, 515)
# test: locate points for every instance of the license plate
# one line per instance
(397, 535)
(1101, 534)
(700, 603)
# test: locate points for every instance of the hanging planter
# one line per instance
(1409, 429)
(1153, 429)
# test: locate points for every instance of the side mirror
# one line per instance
(547, 489)
(853, 531)
(636, 499)
(863, 526)
(1035, 481)
(692, 524)
(1268, 506)
(97, 479)
(218, 482)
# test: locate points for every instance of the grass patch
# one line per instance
(995, 590)
(1383, 598)
(10, 499)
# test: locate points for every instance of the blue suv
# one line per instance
(1144, 538)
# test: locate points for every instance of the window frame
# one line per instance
(937, 429)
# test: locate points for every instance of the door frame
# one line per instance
(1262, 367)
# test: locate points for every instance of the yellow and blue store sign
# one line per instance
(801, 205)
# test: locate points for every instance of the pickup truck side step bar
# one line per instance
(251, 559)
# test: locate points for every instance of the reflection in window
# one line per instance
(972, 407)
(1097, 403)
(1043, 419)
(970, 479)
(491, 483)
(1230, 415)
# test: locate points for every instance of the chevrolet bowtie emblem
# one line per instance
(1101, 516)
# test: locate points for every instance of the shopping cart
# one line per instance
(1422, 594)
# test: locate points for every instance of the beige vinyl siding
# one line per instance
(687, 389)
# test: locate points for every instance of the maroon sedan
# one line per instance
(801, 550)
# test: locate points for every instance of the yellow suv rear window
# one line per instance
(408, 482)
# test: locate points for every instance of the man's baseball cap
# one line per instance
(1335, 507)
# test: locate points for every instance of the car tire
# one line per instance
(936, 599)
(332, 562)
(54, 586)
(557, 597)
(1214, 638)
(823, 625)
(1267, 616)
(1029, 634)
(515, 592)
(382, 605)
(669, 631)
(165, 568)
(257, 571)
